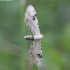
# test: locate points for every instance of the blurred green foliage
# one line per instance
(54, 22)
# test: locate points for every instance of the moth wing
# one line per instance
(31, 20)
(36, 52)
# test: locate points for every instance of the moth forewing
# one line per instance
(36, 53)
(31, 20)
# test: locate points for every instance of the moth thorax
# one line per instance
(38, 37)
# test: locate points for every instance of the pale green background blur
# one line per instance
(54, 22)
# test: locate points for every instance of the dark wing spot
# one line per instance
(39, 55)
(34, 16)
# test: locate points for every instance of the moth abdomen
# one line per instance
(29, 37)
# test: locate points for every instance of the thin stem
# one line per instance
(35, 67)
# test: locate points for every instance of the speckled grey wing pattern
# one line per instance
(36, 52)
(31, 20)
(32, 23)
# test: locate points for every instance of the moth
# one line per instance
(31, 22)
